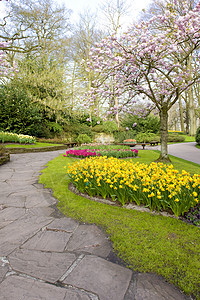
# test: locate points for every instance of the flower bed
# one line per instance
(9, 137)
(118, 153)
(157, 186)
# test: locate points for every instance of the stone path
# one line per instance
(48, 258)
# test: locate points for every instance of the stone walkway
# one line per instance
(55, 258)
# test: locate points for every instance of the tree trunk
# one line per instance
(164, 134)
(181, 114)
(192, 116)
(117, 114)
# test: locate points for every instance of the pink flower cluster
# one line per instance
(80, 153)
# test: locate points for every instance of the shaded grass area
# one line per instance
(36, 145)
(145, 242)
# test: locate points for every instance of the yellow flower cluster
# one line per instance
(157, 186)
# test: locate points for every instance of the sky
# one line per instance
(77, 6)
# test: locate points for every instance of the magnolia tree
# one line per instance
(150, 59)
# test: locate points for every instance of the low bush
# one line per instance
(197, 136)
(147, 137)
(9, 137)
(157, 186)
(176, 138)
(83, 139)
(120, 136)
(98, 128)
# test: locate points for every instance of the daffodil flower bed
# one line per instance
(157, 186)
(10, 137)
(119, 153)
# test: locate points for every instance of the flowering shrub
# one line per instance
(16, 138)
(119, 153)
(157, 186)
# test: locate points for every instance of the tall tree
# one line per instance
(35, 26)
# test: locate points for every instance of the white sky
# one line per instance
(77, 6)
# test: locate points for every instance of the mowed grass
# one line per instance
(36, 145)
(145, 242)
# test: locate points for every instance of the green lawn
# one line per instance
(36, 145)
(189, 138)
(145, 242)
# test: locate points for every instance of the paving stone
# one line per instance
(95, 274)
(90, 239)
(20, 230)
(152, 287)
(4, 187)
(3, 271)
(37, 198)
(20, 288)
(48, 266)
(7, 247)
(15, 199)
(23, 175)
(63, 224)
(41, 211)
(48, 241)
(11, 214)
(6, 174)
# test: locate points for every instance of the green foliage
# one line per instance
(98, 128)
(107, 127)
(175, 138)
(43, 79)
(150, 123)
(19, 114)
(120, 136)
(74, 128)
(2, 150)
(83, 139)
(197, 136)
(55, 127)
(146, 137)
(83, 119)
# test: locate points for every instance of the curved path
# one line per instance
(187, 151)
(45, 257)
